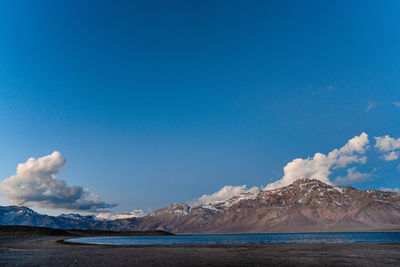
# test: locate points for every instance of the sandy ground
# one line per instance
(49, 251)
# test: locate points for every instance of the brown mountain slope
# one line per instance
(305, 205)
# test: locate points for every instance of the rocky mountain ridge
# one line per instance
(306, 205)
(15, 215)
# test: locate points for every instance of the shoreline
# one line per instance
(99, 241)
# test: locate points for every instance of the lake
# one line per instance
(270, 238)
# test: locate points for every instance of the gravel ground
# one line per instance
(51, 251)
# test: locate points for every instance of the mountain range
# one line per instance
(305, 206)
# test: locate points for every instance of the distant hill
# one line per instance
(304, 206)
(15, 215)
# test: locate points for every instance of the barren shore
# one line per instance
(51, 251)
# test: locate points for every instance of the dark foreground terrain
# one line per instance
(47, 249)
(25, 231)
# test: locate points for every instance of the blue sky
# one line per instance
(153, 102)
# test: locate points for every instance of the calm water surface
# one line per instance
(345, 238)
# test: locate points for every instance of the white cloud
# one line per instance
(319, 167)
(132, 214)
(36, 182)
(396, 104)
(224, 193)
(320, 90)
(388, 146)
(396, 190)
(387, 143)
(391, 156)
(370, 105)
(353, 176)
